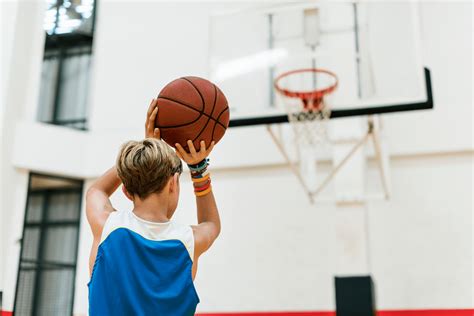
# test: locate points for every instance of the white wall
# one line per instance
(21, 60)
(420, 245)
(7, 17)
(447, 50)
(276, 251)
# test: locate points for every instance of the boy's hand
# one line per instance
(193, 157)
(150, 130)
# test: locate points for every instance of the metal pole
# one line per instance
(357, 48)
(378, 155)
(271, 73)
(341, 163)
(313, 65)
(290, 164)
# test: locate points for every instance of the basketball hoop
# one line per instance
(304, 92)
(312, 97)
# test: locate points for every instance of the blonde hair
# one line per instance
(146, 166)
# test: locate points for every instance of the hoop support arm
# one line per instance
(371, 133)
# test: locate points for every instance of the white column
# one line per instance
(23, 49)
(350, 191)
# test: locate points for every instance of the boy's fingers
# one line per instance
(156, 133)
(181, 151)
(179, 155)
(203, 147)
(148, 128)
(211, 147)
(151, 120)
(149, 113)
(192, 150)
(153, 114)
(178, 147)
(151, 107)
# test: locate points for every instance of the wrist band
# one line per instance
(198, 185)
(204, 192)
(203, 188)
(200, 177)
(199, 166)
(201, 184)
(196, 175)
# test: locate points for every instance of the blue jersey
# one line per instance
(143, 268)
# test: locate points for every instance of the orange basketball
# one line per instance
(192, 108)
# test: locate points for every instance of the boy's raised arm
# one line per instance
(209, 224)
(98, 206)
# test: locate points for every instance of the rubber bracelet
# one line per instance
(201, 184)
(196, 165)
(200, 171)
(203, 188)
(199, 175)
(204, 192)
(200, 179)
(199, 166)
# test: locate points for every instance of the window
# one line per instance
(47, 268)
(69, 27)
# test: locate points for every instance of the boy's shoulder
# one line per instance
(152, 231)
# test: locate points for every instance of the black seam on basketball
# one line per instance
(213, 129)
(199, 92)
(217, 120)
(209, 118)
(180, 125)
(218, 116)
(190, 107)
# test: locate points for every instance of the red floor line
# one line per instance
(308, 313)
(420, 312)
(428, 312)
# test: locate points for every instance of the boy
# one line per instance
(141, 262)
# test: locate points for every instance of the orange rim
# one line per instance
(316, 96)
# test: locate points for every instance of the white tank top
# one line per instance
(143, 268)
(150, 230)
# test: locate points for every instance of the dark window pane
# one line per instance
(64, 206)
(35, 208)
(49, 73)
(55, 292)
(74, 88)
(60, 244)
(31, 243)
(25, 293)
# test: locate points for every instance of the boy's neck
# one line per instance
(153, 208)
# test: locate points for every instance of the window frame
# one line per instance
(62, 43)
(39, 265)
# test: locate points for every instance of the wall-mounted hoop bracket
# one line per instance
(380, 154)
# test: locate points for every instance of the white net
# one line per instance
(305, 95)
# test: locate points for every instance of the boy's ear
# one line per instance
(174, 182)
(127, 194)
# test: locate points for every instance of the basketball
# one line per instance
(192, 108)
